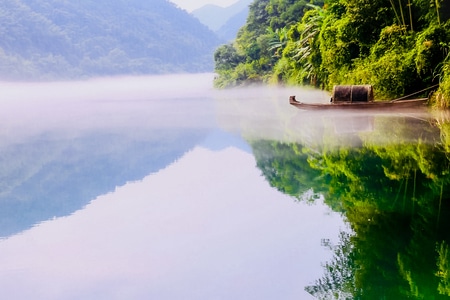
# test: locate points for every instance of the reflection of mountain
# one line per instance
(49, 177)
(219, 139)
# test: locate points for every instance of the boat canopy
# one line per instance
(352, 93)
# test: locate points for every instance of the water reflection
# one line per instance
(205, 227)
(391, 182)
(63, 144)
(126, 188)
(147, 191)
(47, 177)
(395, 199)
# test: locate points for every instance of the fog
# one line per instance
(175, 101)
(143, 103)
(265, 113)
(126, 187)
(197, 223)
(118, 103)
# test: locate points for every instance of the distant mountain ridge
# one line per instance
(230, 29)
(65, 39)
(225, 21)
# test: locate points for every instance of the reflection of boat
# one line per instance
(353, 124)
(358, 97)
(394, 104)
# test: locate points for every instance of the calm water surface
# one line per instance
(163, 188)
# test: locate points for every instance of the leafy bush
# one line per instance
(441, 98)
(398, 48)
(431, 46)
(255, 42)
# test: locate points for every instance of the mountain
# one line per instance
(216, 17)
(48, 39)
(230, 29)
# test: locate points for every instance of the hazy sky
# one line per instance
(190, 5)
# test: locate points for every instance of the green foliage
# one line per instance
(392, 75)
(301, 49)
(283, 13)
(286, 168)
(278, 39)
(441, 98)
(262, 41)
(227, 58)
(361, 16)
(432, 47)
(339, 279)
(397, 46)
(395, 198)
(443, 272)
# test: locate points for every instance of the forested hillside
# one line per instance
(397, 46)
(47, 39)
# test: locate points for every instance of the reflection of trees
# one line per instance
(395, 198)
(338, 281)
(286, 168)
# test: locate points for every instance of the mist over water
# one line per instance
(181, 101)
(177, 101)
(119, 102)
(132, 186)
(148, 188)
(265, 113)
(112, 88)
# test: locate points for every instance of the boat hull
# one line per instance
(375, 105)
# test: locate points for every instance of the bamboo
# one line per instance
(398, 194)
(437, 12)
(404, 195)
(401, 12)
(418, 92)
(440, 204)
(395, 11)
(414, 193)
(410, 15)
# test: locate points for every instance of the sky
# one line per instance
(191, 5)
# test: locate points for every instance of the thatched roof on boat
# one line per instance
(352, 93)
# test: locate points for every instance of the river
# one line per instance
(160, 187)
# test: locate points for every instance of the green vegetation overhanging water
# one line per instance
(400, 47)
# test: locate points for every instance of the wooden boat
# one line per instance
(359, 97)
(393, 104)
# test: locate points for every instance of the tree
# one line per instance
(226, 58)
